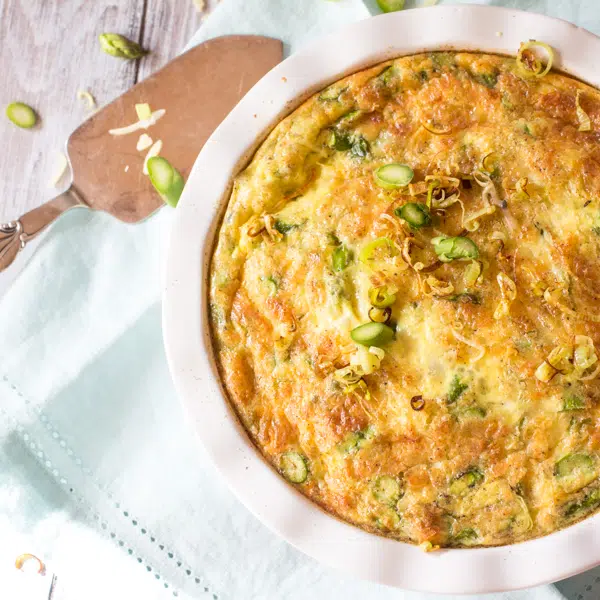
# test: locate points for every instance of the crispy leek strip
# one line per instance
(490, 198)
(471, 223)
(364, 361)
(395, 223)
(584, 120)
(473, 273)
(508, 290)
(416, 189)
(585, 358)
(578, 361)
(442, 191)
(437, 287)
(553, 296)
(461, 338)
(274, 234)
(490, 162)
(528, 64)
(498, 235)
(144, 124)
(521, 192)
(406, 248)
(489, 194)
(348, 375)
(435, 129)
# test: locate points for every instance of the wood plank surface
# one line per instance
(169, 24)
(49, 51)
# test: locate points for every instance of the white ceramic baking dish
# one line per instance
(186, 328)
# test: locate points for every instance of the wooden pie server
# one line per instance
(197, 90)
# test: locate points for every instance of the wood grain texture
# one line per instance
(168, 26)
(49, 51)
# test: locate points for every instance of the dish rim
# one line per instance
(186, 329)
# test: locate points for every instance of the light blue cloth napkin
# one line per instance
(98, 470)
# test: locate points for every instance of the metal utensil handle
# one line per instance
(14, 235)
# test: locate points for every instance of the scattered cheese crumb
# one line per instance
(61, 168)
(156, 115)
(499, 34)
(29, 563)
(87, 97)
(144, 112)
(154, 151)
(126, 168)
(200, 5)
(428, 547)
(144, 142)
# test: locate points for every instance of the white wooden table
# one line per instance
(49, 50)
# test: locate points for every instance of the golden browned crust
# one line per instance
(506, 445)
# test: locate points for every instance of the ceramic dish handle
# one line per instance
(14, 235)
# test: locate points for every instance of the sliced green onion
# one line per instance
(120, 46)
(386, 75)
(529, 64)
(166, 179)
(283, 227)
(294, 467)
(341, 258)
(573, 402)
(415, 214)
(339, 141)
(489, 80)
(356, 440)
(474, 412)
(390, 5)
(380, 297)
(386, 489)
(465, 481)
(456, 390)
(331, 93)
(372, 334)
(393, 176)
(454, 248)
(466, 535)
(360, 147)
(591, 500)
(574, 462)
(380, 315)
(22, 115)
(372, 251)
(349, 118)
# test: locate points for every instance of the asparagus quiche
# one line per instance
(404, 293)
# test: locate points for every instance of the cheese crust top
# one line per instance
(453, 200)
